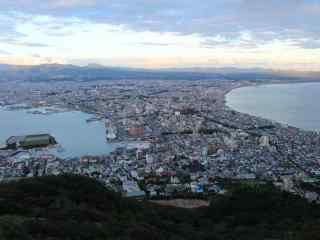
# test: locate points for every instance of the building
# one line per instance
(264, 141)
(212, 149)
(135, 194)
(31, 141)
(3, 147)
(136, 132)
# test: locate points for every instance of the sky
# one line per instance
(276, 34)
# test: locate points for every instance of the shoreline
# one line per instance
(251, 83)
(254, 84)
(219, 143)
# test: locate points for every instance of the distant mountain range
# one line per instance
(60, 72)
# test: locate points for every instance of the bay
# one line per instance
(70, 129)
(296, 104)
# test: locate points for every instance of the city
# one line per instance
(159, 120)
(181, 139)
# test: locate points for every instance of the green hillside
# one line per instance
(73, 207)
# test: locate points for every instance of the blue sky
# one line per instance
(162, 33)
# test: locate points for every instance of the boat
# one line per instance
(93, 119)
(111, 130)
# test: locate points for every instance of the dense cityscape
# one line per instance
(182, 139)
(159, 120)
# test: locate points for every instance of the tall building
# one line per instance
(264, 141)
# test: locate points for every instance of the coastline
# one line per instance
(210, 141)
(251, 83)
(255, 84)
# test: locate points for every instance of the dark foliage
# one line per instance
(73, 207)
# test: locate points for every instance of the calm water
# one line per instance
(73, 133)
(294, 104)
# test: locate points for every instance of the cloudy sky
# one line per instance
(278, 34)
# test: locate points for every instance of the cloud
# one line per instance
(28, 60)
(7, 27)
(308, 43)
(312, 8)
(208, 18)
(242, 40)
(154, 44)
(239, 31)
(2, 52)
(71, 3)
(18, 42)
(31, 44)
(47, 5)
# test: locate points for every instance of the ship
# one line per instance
(111, 130)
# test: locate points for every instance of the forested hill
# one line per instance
(73, 207)
(61, 72)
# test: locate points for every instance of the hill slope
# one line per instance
(73, 207)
